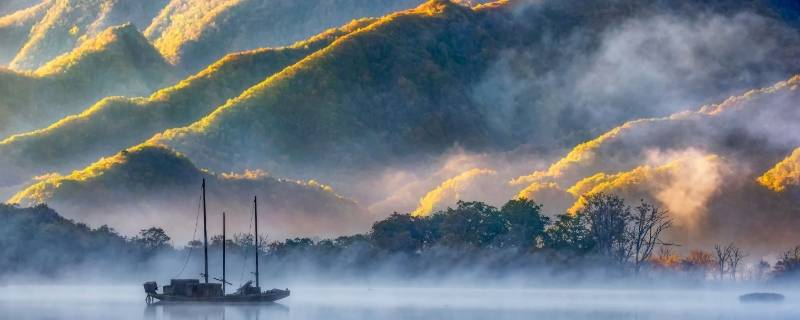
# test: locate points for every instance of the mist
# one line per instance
(435, 163)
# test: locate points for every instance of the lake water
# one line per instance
(65, 302)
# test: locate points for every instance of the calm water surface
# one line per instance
(74, 302)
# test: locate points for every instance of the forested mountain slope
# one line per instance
(119, 61)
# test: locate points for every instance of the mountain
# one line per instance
(69, 23)
(38, 242)
(148, 186)
(11, 6)
(194, 33)
(15, 28)
(116, 123)
(785, 175)
(407, 91)
(721, 171)
(399, 85)
(484, 79)
(119, 61)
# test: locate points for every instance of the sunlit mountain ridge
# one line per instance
(68, 23)
(118, 61)
(785, 175)
(720, 171)
(156, 186)
(361, 107)
(193, 33)
(15, 28)
(119, 122)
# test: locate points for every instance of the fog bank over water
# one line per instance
(399, 303)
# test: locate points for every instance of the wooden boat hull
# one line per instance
(265, 297)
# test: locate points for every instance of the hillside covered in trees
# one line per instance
(552, 101)
(116, 123)
(157, 186)
(118, 61)
(471, 242)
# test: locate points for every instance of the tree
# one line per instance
(723, 255)
(736, 257)
(608, 217)
(789, 265)
(644, 230)
(698, 263)
(570, 232)
(526, 224)
(152, 239)
(473, 224)
(666, 259)
(398, 233)
(194, 244)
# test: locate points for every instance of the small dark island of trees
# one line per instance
(608, 239)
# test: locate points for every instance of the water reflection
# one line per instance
(215, 311)
(122, 303)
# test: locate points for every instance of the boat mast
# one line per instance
(223, 252)
(205, 233)
(255, 218)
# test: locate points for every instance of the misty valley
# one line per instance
(399, 159)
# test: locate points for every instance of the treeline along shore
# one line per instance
(606, 239)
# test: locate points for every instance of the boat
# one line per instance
(759, 297)
(195, 291)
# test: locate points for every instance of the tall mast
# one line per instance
(223, 252)
(255, 218)
(205, 233)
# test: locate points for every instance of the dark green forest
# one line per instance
(608, 237)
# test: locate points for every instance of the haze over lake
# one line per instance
(85, 302)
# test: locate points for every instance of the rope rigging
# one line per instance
(194, 237)
(244, 262)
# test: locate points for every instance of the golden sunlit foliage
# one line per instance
(119, 61)
(138, 167)
(15, 27)
(785, 174)
(581, 160)
(146, 181)
(447, 191)
(192, 33)
(68, 23)
(326, 103)
(182, 21)
(120, 44)
(683, 185)
(117, 122)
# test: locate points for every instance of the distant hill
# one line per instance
(194, 33)
(721, 171)
(485, 79)
(398, 87)
(148, 186)
(38, 242)
(785, 175)
(10, 6)
(15, 28)
(119, 61)
(69, 23)
(529, 78)
(118, 122)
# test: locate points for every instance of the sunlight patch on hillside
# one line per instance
(783, 175)
(448, 191)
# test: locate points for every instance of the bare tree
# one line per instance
(723, 255)
(736, 256)
(608, 217)
(647, 222)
